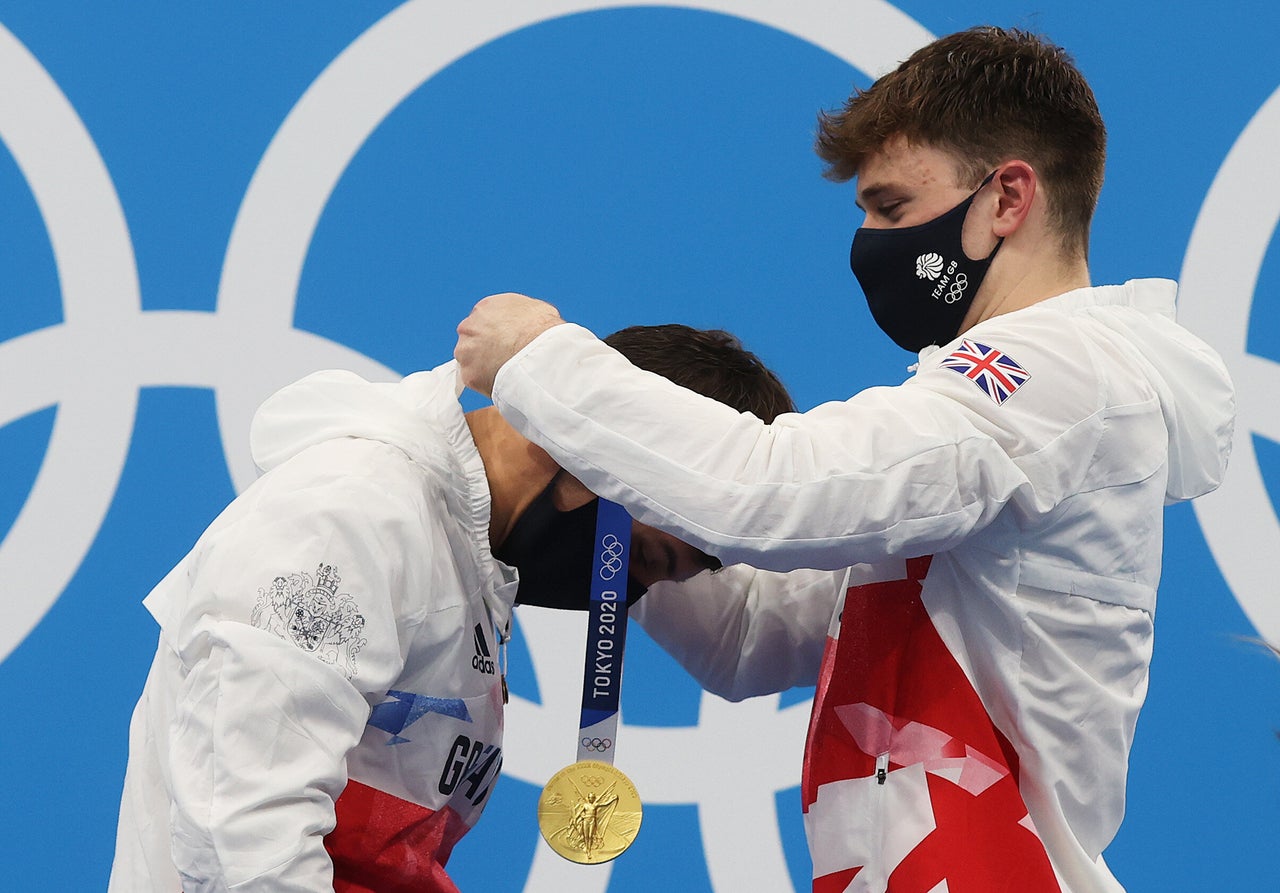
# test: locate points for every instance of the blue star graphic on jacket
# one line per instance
(407, 708)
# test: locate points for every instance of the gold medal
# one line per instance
(589, 812)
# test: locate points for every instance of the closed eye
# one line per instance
(891, 211)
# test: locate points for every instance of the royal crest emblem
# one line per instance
(313, 615)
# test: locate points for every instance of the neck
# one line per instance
(517, 470)
(1020, 279)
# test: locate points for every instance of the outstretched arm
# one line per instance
(892, 471)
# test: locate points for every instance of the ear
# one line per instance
(1015, 186)
(569, 493)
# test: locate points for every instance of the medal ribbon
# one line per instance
(606, 634)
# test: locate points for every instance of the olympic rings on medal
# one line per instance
(599, 745)
(611, 557)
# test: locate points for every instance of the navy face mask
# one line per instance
(918, 281)
(552, 550)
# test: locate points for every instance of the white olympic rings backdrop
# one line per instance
(720, 778)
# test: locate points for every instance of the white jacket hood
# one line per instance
(418, 414)
(1195, 389)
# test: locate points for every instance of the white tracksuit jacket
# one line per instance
(981, 666)
(330, 638)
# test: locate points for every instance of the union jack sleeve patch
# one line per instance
(995, 372)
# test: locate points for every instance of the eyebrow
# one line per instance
(866, 195)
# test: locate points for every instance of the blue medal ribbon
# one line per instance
(606, 634)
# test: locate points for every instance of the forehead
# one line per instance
(901, 164)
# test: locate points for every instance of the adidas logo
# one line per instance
(483, 661)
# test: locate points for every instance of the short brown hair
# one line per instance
(985, 96)
(711, 362)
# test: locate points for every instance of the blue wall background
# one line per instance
(162, 270)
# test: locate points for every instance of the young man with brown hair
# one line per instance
(325, 707)
(1000, 513)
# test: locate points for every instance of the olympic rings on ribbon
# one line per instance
(611, 557)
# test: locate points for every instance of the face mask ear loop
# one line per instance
(999, 239)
